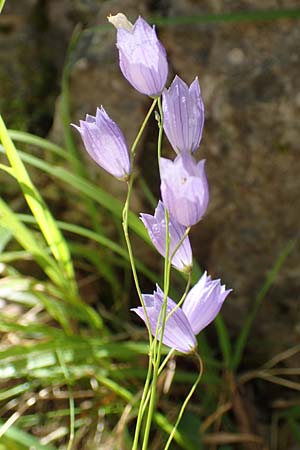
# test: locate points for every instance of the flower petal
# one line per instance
(177, 333)
(204, 302)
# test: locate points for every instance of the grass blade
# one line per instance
(27, 240)
(39, 209)
(2, 2)
(26, 440)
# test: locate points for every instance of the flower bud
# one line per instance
(105, 143)
(156, 227)
(184, 188)
(177, 333)
(142, 57)
(183, 113)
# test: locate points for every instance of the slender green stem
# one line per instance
(160, 132)
(138, 137)
(165, 361)
(184, 236)
(131, 257)
(186, 402)
(161, 367)
(159, 335)
(187, 287)
(134, 272)
(146, 396)
(142, 406)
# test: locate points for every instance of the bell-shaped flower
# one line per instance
(203, 302)
(105, 143)
(183, 115)
(184, 188)
(156, 227)
(177, 333)
(142, 57)
(199, 309)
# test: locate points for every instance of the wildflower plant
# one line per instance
(183, 203)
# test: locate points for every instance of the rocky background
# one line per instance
(249, 76)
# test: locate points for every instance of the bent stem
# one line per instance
(125, 216)
(141, 130)
(161, 367)
(159, 336)
(187, 288)
(134, 272)
(193, 388)
(130, 253)
(160, 131)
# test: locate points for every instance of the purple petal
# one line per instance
(156, 227)
(183, 112)
(105, 143)
(177, 333)
(204, 302)
(143, 60)
(184, 188)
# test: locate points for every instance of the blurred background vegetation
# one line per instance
(72, 357)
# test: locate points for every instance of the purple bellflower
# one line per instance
(178, 333)
(156, 227)
(105, 143)
(184, 188)
(183, 113)
(142, 57)
(199, 309)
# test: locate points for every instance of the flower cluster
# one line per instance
(199, 309)
(184, 186)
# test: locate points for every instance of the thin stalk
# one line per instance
(135, 276)
(142, 406)
(187, 288)
(138, 137)
(125, 216)
(160, 132)
(146, 395)
(161, 367)
(131, 257)
(193, 388)
(184, 236)
(159, 329)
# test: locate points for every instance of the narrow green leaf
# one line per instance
(26, 239)
(5, 237)
(14, 391)
(25, 439)
(2, 2)
(39, 209)
(39, 142)
(83, 186)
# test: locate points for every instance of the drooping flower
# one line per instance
(203, 302)
(177, 333)
(105, 143)
(156, 227)
(184, 188)
(142, 57)
(199, 309)
(183, 113)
